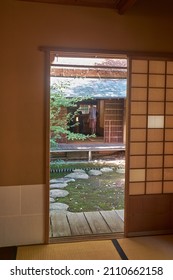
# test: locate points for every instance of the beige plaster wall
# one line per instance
(25, 27)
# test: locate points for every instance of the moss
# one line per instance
(104, 192)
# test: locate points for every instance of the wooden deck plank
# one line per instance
(121, 214)
(60, 225)
(96, 222)
(78, 224)
(86, 150)
(88, 147)
(113, 220)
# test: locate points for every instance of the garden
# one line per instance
(102, 188)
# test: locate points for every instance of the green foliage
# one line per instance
(60, 123)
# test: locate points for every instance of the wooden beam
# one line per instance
(120, 5)
(87, 3)
(123, 5)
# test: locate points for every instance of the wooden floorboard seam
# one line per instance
(88, 222)
(105, 221)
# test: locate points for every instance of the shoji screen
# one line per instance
(114, 121)
(150, 145)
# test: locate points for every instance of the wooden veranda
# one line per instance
(88, 147)
(66, 224)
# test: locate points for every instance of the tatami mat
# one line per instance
(89, 250)
(148, 248)
(137, 248)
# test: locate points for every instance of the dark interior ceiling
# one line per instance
(121, 6)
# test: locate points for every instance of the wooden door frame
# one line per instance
(86, 52)
(78, 52)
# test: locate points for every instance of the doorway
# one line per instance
(92, 80)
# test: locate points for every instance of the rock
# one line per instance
(51, 199)
(106, 169)
(69, 180)
(93, 172)
(54, 181)
(58, 193)
(120, 170)
(58, 206)
(77, 175)
(61, 180)
(79, 171)
(58, 186)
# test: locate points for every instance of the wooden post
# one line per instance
(89, 155)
